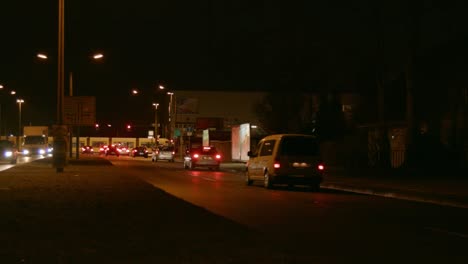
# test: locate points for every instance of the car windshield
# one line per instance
(299, 146)
(167, 148)
(205, 150)
(34, 140)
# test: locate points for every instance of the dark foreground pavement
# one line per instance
(94, 213)
(99, 215)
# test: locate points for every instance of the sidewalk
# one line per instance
(447, 191)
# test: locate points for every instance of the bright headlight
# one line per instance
(25, 152)
(41, 151)
(8, 154)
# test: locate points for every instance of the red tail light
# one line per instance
(218, 156)
(196, 155)
(320, 167)
(276, 164)
(173, 152)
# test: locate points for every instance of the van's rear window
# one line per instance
(299, 146)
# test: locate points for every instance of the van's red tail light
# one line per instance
(218, 156)
(196, 155)
(173, 152)
(320, 167)
(276, 164)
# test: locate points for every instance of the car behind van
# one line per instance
(291, 159)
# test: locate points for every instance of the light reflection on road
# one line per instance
(21, 160)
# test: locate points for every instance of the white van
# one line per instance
(291, 159)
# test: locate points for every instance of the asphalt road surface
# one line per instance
(330, 222)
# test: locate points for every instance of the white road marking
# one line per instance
(439, 230)
(208, 179)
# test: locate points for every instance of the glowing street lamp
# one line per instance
(155, 120)
(98, 56)
(1, 114)
(42, 56)
(20, 102)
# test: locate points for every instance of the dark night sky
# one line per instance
(206, 45)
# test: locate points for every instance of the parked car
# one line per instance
(103, 149)
(139, 152)
(163, 153)
(123, 150)
(291, 159)
(87, 150)
(202, 157)
(8, 152)
(112, 150)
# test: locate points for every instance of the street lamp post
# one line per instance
(156, 123)
(60, 130)
(1, 114)
(96, 57)
(170, 115)
(20, 102)
(136, 92)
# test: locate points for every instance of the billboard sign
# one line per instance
(79, 110)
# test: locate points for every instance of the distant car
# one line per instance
(8, 152)
(291, 159)
(102, 149)
(202, 157)
(124, 150)
(112, 150)
(87, 150)
(163, 153)
(139, 152)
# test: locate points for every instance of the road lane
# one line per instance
(325, 221)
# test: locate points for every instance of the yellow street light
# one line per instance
(19, 101)
(98, 56)
(156, 121)
(42, 56)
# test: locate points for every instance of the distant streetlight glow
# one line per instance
(1, 86)
(19, 101)
(134, 91)
(98, 56)
(42, 56)
(13, 92)
(161, 87)
(156, 121)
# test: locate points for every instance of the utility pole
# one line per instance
(60, 130)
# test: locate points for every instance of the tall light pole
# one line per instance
(1, 114)
(43, 56)
(97, 56)
(156, 123)
(20, 102)
(60, 130)
(170, 114)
